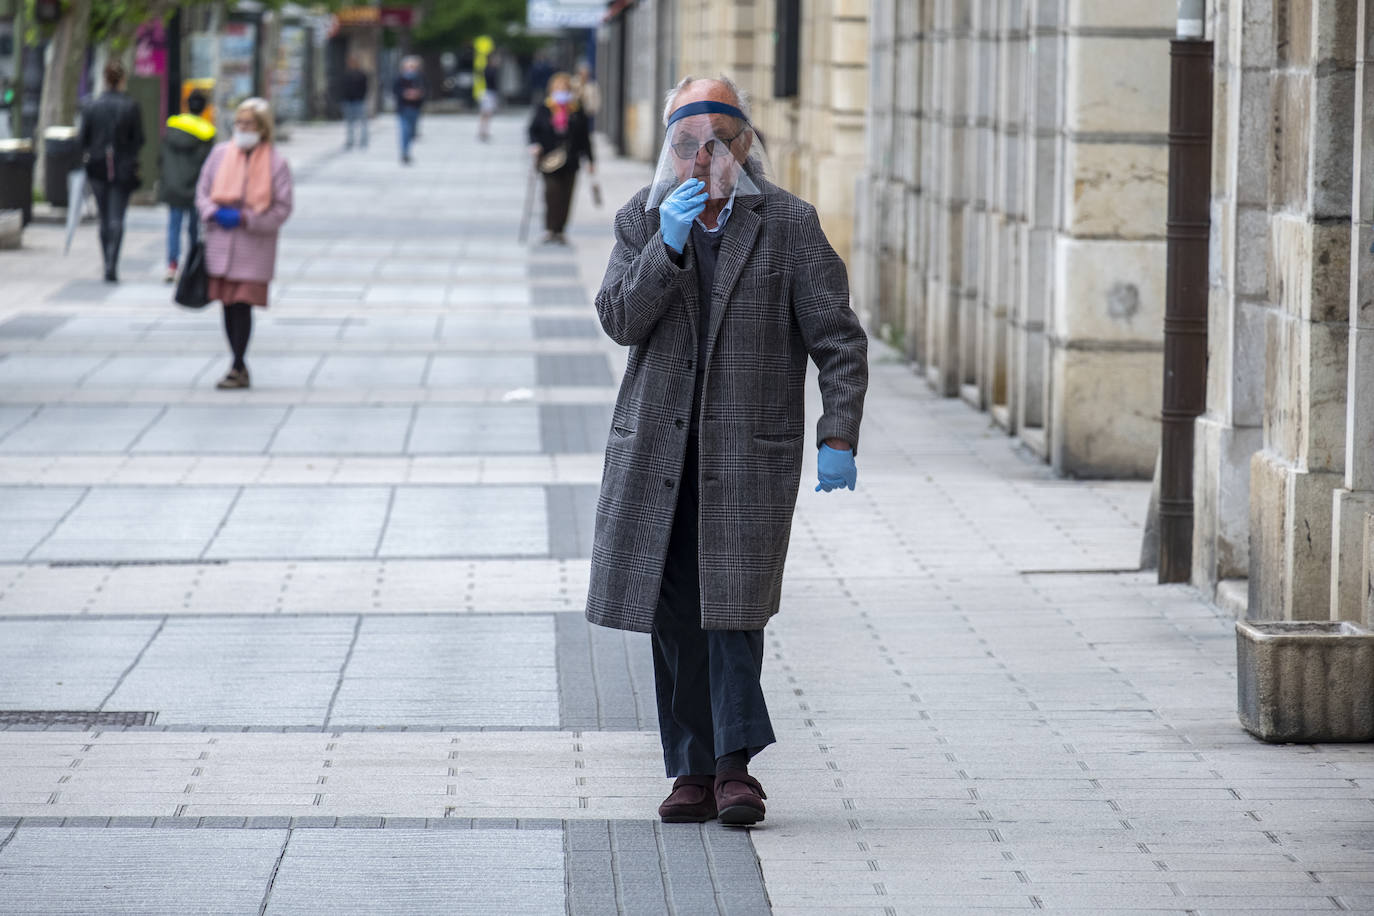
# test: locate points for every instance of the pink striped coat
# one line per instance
(249, 252)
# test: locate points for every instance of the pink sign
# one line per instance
(150, 50)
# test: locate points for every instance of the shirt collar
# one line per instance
(724, 216)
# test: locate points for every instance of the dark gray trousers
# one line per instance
(710, 702)
(111, 199)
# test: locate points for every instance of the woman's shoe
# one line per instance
(237, 378)
(171, 275)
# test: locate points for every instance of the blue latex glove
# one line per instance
(677, 211)
(228, 217)
(835, 469)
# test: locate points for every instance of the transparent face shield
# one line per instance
(713, 142)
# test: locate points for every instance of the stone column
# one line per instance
(1231, 429)
(949, 191)
(1353, 507)
(910, 152)
(1307, 330)
(1007, 292)
(1106, 329)
(974, 80)
(1043, 76)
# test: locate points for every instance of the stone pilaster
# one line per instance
(1231, 429)
(1307, 332)
(1354, 502)
(1044, 77)
(1108, 307)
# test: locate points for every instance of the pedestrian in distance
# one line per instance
(540, 71)
(588, 93)
(185, 147)
(244, 196)
(409, 89)
(722, 285)
(353, 101)
(491, 96)
(111, 136)
(559, 141)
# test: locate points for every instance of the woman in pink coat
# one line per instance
(243, 197)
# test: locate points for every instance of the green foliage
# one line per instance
(117, 21)
(450, 24)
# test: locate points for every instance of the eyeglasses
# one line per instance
(687, 147)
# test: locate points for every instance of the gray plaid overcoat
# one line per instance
(781, 294)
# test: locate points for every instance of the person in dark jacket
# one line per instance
(410, 95)
(491, 96)
(187, 143)
(353, 101)
(559, 140)
(111, 136)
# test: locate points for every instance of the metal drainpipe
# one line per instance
(1185, 307)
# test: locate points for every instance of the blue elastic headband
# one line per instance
(696, 108)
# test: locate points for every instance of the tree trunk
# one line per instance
(20, 49)
(62, 76)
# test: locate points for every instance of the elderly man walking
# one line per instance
(722, 285)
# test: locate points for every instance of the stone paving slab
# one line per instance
(451, 672)
(187, 430)
(427, 672)
(468, 521)
(136, 871)
(171, 523)
(348, 430)
(338, 522)
(561, 774)
(382, 586)
(26, 517)
(400, 865)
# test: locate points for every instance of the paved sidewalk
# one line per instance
(319, 646)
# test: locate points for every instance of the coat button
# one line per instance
(668, 482)
(679, 424)
(691, 364)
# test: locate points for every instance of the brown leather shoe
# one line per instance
(739, 798)
(692, 801)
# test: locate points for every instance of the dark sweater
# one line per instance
(706, 247)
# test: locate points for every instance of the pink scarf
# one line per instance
(560, 117)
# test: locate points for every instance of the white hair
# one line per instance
(669, 100)
(261, 110)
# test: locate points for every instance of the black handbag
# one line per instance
(193, 286)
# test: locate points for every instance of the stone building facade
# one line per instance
(1012, 212)
(1284, 478)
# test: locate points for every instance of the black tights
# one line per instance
(238, 326)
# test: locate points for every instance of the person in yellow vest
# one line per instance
(188, 142)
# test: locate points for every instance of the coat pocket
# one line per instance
(779, 438)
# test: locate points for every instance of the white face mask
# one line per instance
(246, 139)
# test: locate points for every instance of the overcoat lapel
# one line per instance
(735, 248)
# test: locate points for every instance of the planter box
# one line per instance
(1305, 681)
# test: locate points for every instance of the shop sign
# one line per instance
(565, 14)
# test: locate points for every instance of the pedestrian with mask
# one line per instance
(410, 95)
(559, 140)
(353, 101)
(587, 92)
(244, 196)
(111, 136)
(722, 285)
(185, 147)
